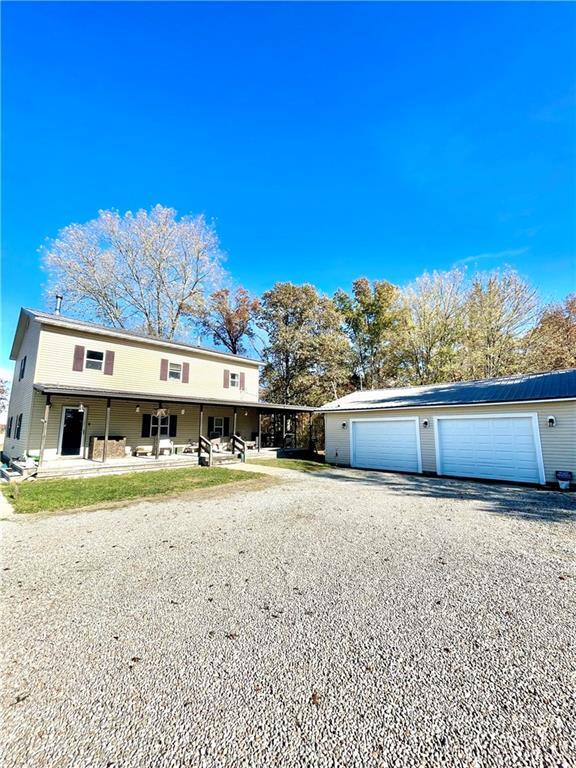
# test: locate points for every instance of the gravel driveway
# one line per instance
(339, 619)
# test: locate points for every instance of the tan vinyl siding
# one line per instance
(21, 392)
(558, 443)
(137, 367)
(126, 422)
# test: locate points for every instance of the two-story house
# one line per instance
(90, 392)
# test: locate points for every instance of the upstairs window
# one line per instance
(175, 371)
(94, 360)
(9, 427)
(22, 368)
(235, 380)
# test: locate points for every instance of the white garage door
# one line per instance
(502, 448)
(386, 444)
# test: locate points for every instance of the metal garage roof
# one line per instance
(554, 385)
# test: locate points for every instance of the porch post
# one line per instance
(284, 429)
(44, 430)
(157, 444)
(200, 428)
(310, 441)
(106, 430)
(259, 430)
(235, 420)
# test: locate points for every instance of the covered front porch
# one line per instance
(85, 431)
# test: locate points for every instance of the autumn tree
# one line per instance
(141, 271)
(551, 345)
(306, 354)
(432, 332)
(4, 386)
(372, 315)
(229, 318)
(500, 308)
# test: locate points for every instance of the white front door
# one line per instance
(494, 447)
(72, 431)
(386, 444)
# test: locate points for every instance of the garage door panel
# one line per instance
(488, 447)
(390, 444)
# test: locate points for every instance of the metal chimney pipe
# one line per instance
(58, 305)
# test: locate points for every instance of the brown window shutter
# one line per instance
(109, 362)
(226, 378)
(78, 363)
(164, 369)
(185, 373)
(242, 381)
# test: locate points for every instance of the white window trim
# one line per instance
(221, 427)
(176, 365)
(415, 419)
(61, 435)
(510, 415)
(91, 368)
(236, 379)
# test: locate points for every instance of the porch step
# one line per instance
(225, 458)
(48, 472)
(9, 474)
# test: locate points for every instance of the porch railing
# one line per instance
(204, 446)
(238, 446)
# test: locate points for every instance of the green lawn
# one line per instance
(73, 493)
(302, 465)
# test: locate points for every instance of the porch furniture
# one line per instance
(165, 446)
(143, 450)
(116, 447)
(188, 447)
(220, 444)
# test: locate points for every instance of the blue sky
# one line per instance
(327, 141)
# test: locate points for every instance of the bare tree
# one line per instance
(434, 310)
(500, 308)
(229, 318)
(141, 270)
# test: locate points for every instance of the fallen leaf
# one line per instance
(316, 698)
(20, 697)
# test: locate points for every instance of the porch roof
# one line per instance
(116, 394)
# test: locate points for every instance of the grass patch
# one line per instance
(301, 465)
(73, 493)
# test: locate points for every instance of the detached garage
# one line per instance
(518, 429)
